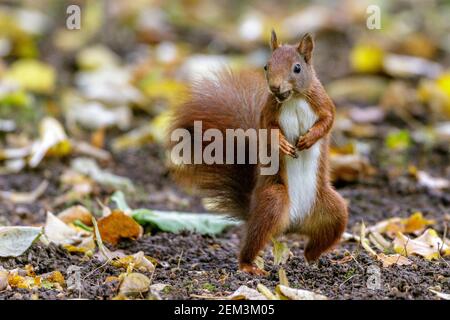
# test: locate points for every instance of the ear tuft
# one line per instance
(274, 41)
(306, 46)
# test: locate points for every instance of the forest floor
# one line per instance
(195, 266)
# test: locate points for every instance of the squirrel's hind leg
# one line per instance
(268, 217)
(325, 225)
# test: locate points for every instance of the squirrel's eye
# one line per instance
(297, 68)
(265, 67)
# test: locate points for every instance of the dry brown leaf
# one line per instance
(74, 213)
(134, 284)
(391, 259)
(349, 167)
(118, 225)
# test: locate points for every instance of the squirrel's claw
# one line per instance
(253, 270)
(287, 148)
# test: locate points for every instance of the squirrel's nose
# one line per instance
(275, 89)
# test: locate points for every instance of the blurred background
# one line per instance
(105, 88)
(83, 114)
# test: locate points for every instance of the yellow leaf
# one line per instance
(168, 90)
(413, 224)
(56, 277)
(429, 245)
(443, 83)
(416, 222)
(366, 58)
(136, 261)
(33, 75)
(159, 126)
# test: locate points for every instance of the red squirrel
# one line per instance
(299, 197)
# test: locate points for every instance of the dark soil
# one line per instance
(199, 266)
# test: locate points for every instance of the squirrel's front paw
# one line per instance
(305, 142)
(286, 147)
(253, 270)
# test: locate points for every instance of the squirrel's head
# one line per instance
(289, 70)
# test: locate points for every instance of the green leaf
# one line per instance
(173, 221)
(398, 140)
(119, 199)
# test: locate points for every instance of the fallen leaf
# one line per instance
(134, 138)
(52, 141)
(94, 115)
(95, 57)
(118, 225)
(391, 259)
(3, 279)
(90, 168)
(25, 197)
(266, 292)
(58, 232)
(55, 277)
(413, 224)
(445, 296)
(78, 184)
(33, 75)
(156, 290)
(373, 114)
(360, 89)
(138, 261)
(299, 294)
(426, 180)
(246, 293)
(367, 58)
(173, 221)
(70, 215)
(259, 262)
(416, 222)
(134, 284)
(280, 252)
(111, 86)
(398, 140)
(409, 66)
(429, 245)
(349, 167)
(14, 241)
(283, 277)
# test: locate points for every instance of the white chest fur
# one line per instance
(296, 118)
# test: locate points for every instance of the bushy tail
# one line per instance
(226, 101)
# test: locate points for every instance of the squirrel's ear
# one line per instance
(306, 46)
(273, 41)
